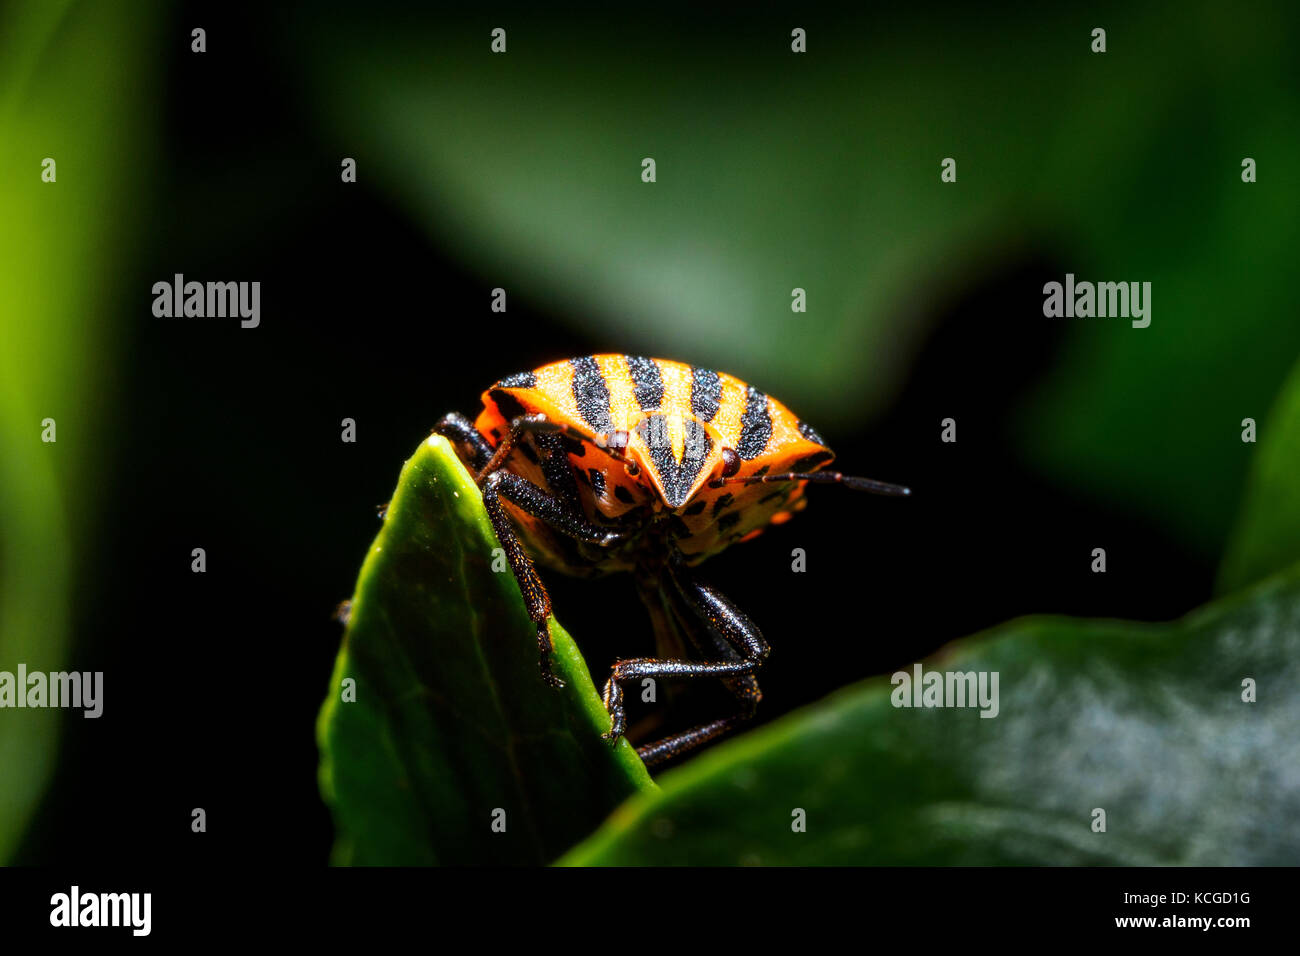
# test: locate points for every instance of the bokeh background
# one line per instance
(522, 171)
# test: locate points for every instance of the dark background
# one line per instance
(229, 439)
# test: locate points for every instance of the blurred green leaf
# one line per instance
(75, 86)
(1144, 721)
(1267, 536)
(451, 719)
(773, 172)
(1148, 420)
(821, 171)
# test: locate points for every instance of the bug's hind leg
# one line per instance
(661, 751)
(730, 635)
(462, 434)
(641, 667)
(545, 507)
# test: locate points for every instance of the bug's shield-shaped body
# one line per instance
(677, 426)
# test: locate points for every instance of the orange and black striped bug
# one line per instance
(619, 463)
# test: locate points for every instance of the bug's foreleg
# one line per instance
(460, 431)
(524, 424)
(536, 502)
(735, 638)
(612, 443)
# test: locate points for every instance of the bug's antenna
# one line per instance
(826, 478)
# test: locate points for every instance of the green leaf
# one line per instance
(451, 720)
(1267, 536)
(1144, 721)
(76, 86)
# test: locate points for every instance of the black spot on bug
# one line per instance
(623, 495)
(696, 508)
(722, 503)
(728, 521)
(495, 433)
(762, 471)
(507, 404)
(591, 393)
(647, 382)
(597, 481)
(810, 433)
(576, 448)
(755, 426)
(677, 527)
(519, 380)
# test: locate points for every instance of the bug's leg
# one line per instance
(732, 636)
(611, 444)
(641, 667)
(664, 750)
(460, 431)
(536, 502)
(518, 427)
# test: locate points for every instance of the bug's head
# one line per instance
(673, 454)
(680, 455)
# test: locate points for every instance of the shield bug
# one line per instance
(618, 463)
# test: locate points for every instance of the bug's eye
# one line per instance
(730, 463)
